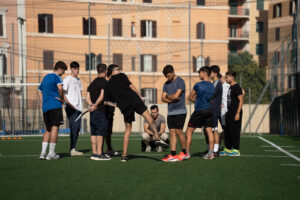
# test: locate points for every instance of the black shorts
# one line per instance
(98, 123)
(176, 121)
(128, 113)
(53, 117)
(202, 118)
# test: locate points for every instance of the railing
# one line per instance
(244, 35)
(239, 11)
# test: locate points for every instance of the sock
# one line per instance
(52, 148)
(210, 152)
(173, 153)
(216, 147)
(44, 147)
(184, 151)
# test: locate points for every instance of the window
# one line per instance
(3, 65)
(85, 26)
(91, 66)
(48, 59)
(277, 34)
(148, 28)
(200, 2)
(117, 27)
(260, 5)
(147, 1)
(133, 64)
(200, 30)
(277, 10)
(99, 58)
(45, 22)
(118, 59)
(276, 57)
(148, 63)
(119, 0)
(150, 95)
(1, 26)
(133, 34)
(259, 49)
(198, 62)
(233, 7)
(233, 48)
(259, 27)
(233, 30)
(291, 10)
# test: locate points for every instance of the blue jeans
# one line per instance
(72, 114)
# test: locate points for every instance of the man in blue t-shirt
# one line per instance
(50, 93)
(202, 94)
(174, 95)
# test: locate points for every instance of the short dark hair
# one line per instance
(168, 69)
(101, 68)
(154, 107)
(205, 69)
(111, 68)
(60, 65)
(74, 64)
(215, 69)
(231, 73)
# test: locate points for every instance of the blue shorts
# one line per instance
(98, 123)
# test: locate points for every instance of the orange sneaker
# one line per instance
(181, 156)
(170, 158)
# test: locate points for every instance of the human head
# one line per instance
(230, 76)
(168, 72)
(60, 67)
(204, 72)
(113, 69)
(214, 71)
(74, 68)
(154, 111)
(101, 68)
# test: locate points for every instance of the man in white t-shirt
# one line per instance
(226, 87)
(72, 88)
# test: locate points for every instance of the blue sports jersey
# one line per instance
(49, 89)
(205, 92)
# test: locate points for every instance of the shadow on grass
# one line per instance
(131, 157)
(63, 155)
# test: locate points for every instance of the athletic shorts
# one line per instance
(216, 115)
(53, 117)
(128, 113)
(201, 118)
(98, 123)
(176, 121)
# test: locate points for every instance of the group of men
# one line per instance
(112, 88)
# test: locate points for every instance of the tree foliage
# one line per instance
(249, 75)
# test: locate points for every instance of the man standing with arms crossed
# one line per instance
(174, 95)
(51, 95)
(72, 88)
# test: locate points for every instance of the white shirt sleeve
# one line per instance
(66, 83)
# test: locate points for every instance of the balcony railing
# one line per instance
(239, 11)
(243, 35)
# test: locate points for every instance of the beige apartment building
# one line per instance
(248, 28)
(141, 36)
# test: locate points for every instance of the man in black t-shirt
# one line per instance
(233, 118)
(98, 119)
(121, 91)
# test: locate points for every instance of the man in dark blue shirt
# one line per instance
(202, 94)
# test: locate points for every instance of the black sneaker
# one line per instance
(216, 154)
(124, 159)
(161, 143)
(102, 157)
(93, 156)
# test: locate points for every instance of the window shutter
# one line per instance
(154, 29)
(274, 11)
(99, 58)
(207, 61)
(154, 63)
(1, 26)
(50, 23)
(199, 31)
(142, 63)
(194, 64)
(41, 22)
(154, 96)
(93, 26)
(85, 26)
(118, 59)
(120, 27)
(132, 63)
(143, 28)
(48, 58)
(87, 62)
(115, 27)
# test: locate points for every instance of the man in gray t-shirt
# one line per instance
(148, 133)
(174, 95)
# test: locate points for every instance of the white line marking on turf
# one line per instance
(294, 151)
(294, 165)
(266, 146)
(279, 148)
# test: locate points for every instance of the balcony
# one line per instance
(238, 12)
(243, 36)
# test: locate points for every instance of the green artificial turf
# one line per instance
(257, 174)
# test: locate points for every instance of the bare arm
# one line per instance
(175, 96)
(147, 130)
(241, 99)
(193, 96)
(60, 91)
(40, 96)
(135, 90)
(164, 98)
(162, 128)
(99, 100)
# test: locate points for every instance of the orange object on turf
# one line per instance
(8, 138)
(19, 138)
(3, 138)
(170, 158)
(14, 138)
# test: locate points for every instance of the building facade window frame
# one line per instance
(148, 28)
(85, 26)
(259, 27)
(117, 27)
(148, 63)
(200, 30)
(147, 1)
(3, 64)
(277, 34)
(260, 5)
(45, 23)
(200, 2)
(3, 22)
(118, 59)
(48, 59)
(93, 62)
(150, 95)
(277, 10)
(259, 49)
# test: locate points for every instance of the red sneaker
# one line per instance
(181, 156)
(170, 158)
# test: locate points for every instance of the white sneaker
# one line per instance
(73, 152)
(159, 149)
(53, 156)
(148, 149)
(42, 156)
